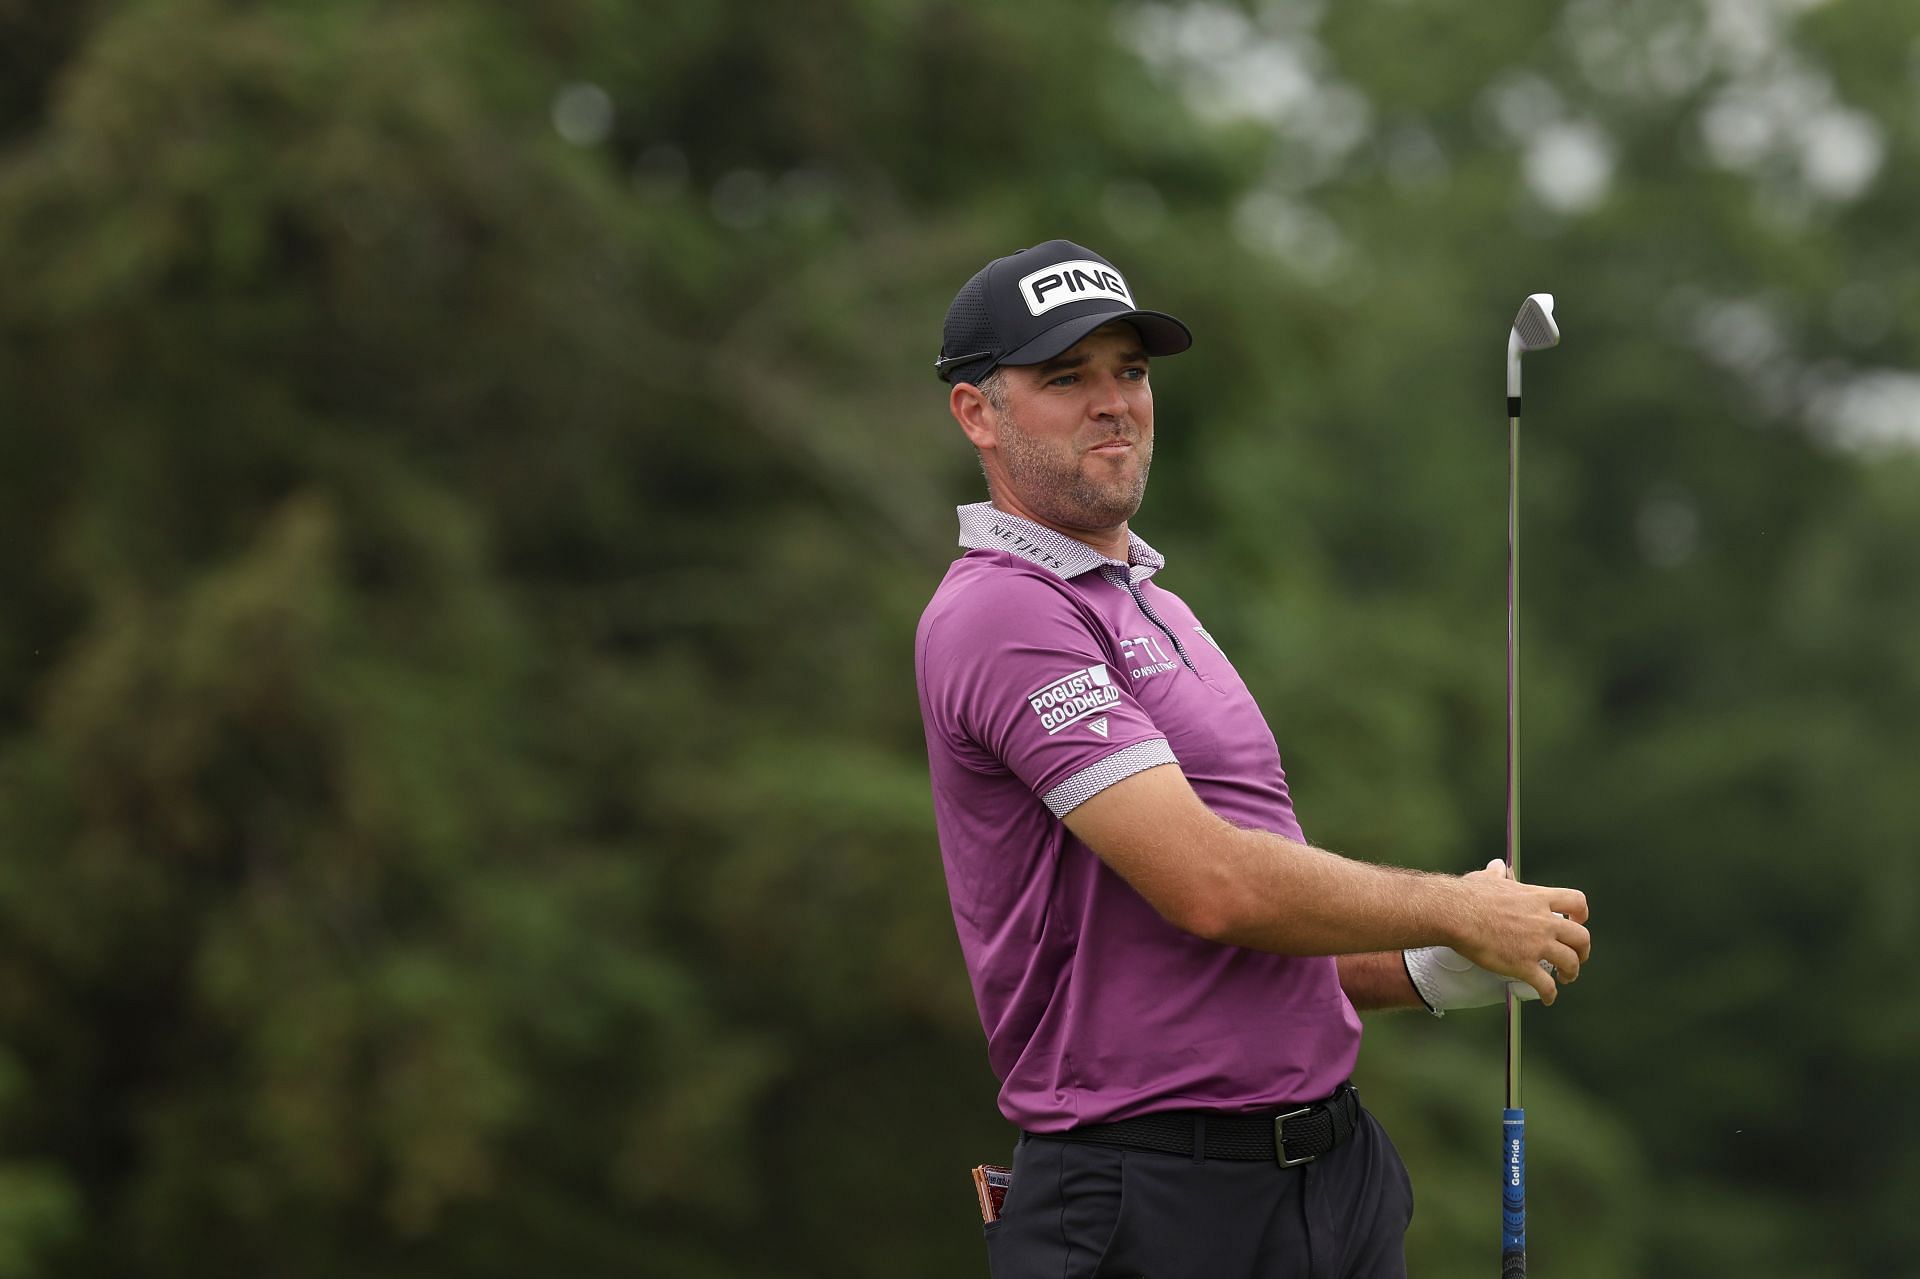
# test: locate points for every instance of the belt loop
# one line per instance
(1199, 1137)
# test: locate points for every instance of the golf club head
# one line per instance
(1533, 329)
(1535, 323)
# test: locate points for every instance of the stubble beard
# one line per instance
(1050, 481)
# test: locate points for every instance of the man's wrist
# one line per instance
(1414, 961)
(1453, 912)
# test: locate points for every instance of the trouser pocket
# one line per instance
(1061, 1213)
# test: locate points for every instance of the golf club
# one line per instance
(1533, 330)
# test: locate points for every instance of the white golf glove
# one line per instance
(1446, 979)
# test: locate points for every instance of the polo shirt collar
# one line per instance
(983, 526)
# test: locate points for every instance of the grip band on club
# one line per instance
(1513, 1194)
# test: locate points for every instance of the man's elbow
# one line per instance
(1209, 909)
(1208, 922)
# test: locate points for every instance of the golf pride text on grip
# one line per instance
(1513, 1195)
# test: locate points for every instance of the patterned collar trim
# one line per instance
(984, 526)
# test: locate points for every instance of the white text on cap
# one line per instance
(1065, 282)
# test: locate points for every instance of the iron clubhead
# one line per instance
(1535, 323)
(1533, 329)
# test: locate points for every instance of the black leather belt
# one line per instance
(1289, 1137)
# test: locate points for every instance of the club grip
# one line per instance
(1513, 1194)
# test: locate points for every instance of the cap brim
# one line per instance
(1160, 334)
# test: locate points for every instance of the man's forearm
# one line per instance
(1378, 980)
(1280, 895)
(1260, 890)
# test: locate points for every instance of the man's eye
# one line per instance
(1064, 379)
(1137, 373)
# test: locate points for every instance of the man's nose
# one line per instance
(1109, 399)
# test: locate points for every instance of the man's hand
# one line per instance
(1447, 980)
(1526, 932)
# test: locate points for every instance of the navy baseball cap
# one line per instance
(1029, 306)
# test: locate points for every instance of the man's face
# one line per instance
(1076, 439)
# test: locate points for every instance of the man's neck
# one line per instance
(1112, 542)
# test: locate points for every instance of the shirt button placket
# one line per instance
(1122, 577)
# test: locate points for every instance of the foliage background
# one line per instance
(469, 472)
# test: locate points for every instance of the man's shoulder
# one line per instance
(998, 628)
(1000, 590)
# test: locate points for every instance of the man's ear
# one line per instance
(977, 418)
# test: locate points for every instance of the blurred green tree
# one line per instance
(470, 472)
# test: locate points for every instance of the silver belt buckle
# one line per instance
(1280, 1138)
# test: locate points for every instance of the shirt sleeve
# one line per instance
(1016, 676)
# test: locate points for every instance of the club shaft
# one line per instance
(1513, 1129)
(1513, 725)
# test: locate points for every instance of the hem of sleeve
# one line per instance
(1104, 772)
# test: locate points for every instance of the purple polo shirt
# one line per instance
(1047, 673)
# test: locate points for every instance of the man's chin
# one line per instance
(1088, 508)
(1119, 495)
(1110, 514)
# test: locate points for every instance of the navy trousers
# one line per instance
(1077, 1210)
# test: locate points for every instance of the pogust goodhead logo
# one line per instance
(1072, 698)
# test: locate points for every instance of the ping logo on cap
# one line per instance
(1065, 282)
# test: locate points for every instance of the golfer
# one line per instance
(1167, 973)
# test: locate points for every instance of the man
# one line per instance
(1166, 972)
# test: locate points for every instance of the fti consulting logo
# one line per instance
(1072, 698)
(1145, 656)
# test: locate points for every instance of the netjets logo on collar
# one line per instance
(1065, 282)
